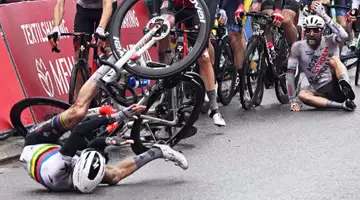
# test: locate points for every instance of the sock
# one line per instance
(345, 77)
(146, 157)
(333, 104)
(161, 57)
(212, 97)
(58, 125)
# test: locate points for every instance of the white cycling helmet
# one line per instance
(88, 171)
(313, 21)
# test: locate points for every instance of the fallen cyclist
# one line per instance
(318, 58)
(58, 168)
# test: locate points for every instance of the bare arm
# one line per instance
(59, 12)
(106, 13)
(293, 62)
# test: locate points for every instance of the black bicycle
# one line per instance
(225, 71)
(260, 68)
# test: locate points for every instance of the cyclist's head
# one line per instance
(313, 26)
(88, 171)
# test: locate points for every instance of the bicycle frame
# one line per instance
(113, 71)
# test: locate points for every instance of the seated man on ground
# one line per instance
(318, 58)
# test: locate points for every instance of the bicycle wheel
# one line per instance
(29, 108)
(252, 73)
(79, 76)
(116, 42)
(226, 75)
(186, 118)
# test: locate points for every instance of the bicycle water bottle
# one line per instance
(138, 83)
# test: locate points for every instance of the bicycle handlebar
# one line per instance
(55, 36)
(268, 18)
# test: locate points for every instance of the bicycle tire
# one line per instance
(280, 84)
(225, 100)
(357, 73)
(255, 44)
(176, 68)
(260, 96)
(19, 107)
(138, 147)
(74, 72)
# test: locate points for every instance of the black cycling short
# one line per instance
(189, 17)
(332, 91)
(87, 20)
(293, 5)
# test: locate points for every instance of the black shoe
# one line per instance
(346, 89)
(349, 106)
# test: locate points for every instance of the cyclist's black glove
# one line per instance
(53, 39)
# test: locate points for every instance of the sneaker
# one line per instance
(217, 117)
(346, 89)
(349, 106)
(172, 155)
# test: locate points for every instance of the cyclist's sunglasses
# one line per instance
(312, 30)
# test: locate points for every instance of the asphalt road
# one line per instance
(266, 153)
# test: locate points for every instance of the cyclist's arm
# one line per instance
(339, 33)
(293, 62)
(106, 13)
(59, 12)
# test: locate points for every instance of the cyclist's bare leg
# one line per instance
(211, 54)
(339, 68)
(165, 43)
(207, 74)
(309, 98)
(116, 172)
(290, 30)
(238, 45)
